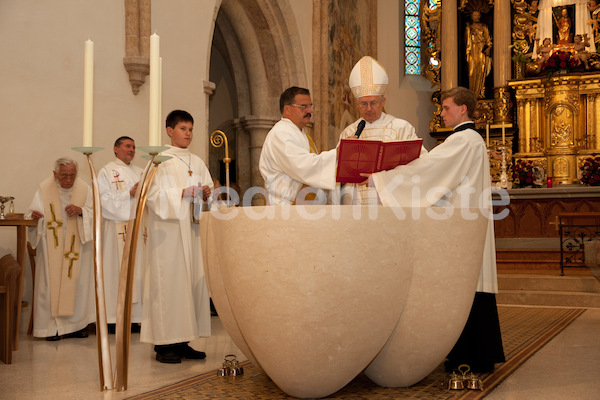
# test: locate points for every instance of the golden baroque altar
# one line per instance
(559, 122)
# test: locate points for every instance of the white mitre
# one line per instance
(368, 78)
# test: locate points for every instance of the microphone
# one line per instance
(361, 126)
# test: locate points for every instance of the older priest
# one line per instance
(64, 279)
(368, 82)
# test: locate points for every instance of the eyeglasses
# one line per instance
(301, 106)
(373, 104)
(67, 176)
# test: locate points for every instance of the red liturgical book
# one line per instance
(368, 156)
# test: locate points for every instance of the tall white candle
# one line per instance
(503, 137)
(159, 112)
(154, 132)
(88, 92)
(487, 135)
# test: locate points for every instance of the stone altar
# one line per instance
(313, 295)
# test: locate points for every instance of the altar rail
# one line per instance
(575, 229)
(529, 237)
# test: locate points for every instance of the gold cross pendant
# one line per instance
(190, 172)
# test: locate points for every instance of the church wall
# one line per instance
(41, 85)
(303, 10)
(41, 81)
(408, 97)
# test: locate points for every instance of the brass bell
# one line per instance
(236, 370)
(222, 372)
(474, 383)
(456, 382)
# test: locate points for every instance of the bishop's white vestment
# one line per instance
(387, 129)
(286, 163)
(176, 303)
(64, 298)
(115, 180)
(455, 173)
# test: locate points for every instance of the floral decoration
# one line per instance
(525, 173)
(590, 171)
(560, 61)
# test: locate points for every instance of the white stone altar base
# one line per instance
(313, 295)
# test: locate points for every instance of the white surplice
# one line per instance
(438, 178)
(44, 324)
(286, 163)
(176, 305)
(115, 180)
(386, 129)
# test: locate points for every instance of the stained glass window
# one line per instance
(412, 35)
(412, 38)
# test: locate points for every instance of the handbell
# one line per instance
(474, 383)
(456, 382)
(222, 372)
(236, 369)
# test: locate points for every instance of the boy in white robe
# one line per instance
(176, 301)
(456, 173)
(117, 182)
(289, 160)
(63, 304)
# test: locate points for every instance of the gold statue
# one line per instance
(479, 50)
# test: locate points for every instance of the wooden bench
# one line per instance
(9, 292)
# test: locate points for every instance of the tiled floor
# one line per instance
(567, 368)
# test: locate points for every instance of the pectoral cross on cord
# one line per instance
(189, 165)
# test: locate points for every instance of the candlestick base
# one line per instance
(87, 150)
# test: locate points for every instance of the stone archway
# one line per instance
(254, 57)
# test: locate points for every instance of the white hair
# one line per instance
(64, 161)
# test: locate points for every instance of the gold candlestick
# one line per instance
(126, 277)
(104, 360)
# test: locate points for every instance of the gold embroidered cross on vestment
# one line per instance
(71, 255)
(54, 224)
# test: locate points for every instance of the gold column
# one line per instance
(596, 124)
(527, 125)
(450, 39)
(501, 40)
(521, 121)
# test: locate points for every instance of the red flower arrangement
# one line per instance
(560, 61)
(525, 173)
(590, 171)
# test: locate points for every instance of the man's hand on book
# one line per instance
(368, 179)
